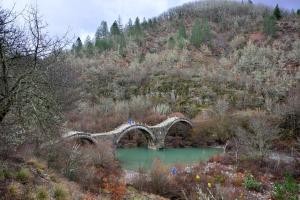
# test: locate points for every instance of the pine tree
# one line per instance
(269, 25)
(200, 33)
(89, 47)
(196, 37)
(144, 23)
(298, 12)
(277, 12)
(78, 46)
(250, 1)
(150, 23)
(137, 26)
(171, 43)
(206, 32)
(114, 29)
(121, 44)
(120, 25)
(129, 27)
(102, 31)
(103, 44)
(181, 30)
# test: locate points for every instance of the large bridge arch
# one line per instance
(179, 120)
(176, 121)
(146, 131)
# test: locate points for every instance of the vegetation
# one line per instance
(277, 13)
(289, 189)
(252, 184)
(232, 67)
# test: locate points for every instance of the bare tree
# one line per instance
(256, 139)
(26, 53)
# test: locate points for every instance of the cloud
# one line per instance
(82, 17)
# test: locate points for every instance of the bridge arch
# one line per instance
(81, 136)
(179, 120)
(176, 121)
(145, 130)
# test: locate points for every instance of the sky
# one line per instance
(82, 17)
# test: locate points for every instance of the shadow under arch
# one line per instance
(144, 130)
(183, 121)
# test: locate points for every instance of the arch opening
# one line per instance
(135, 137)
(179, 135)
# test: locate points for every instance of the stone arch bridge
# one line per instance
(155, 134)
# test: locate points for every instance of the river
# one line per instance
(135, 158)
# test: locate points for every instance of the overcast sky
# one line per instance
(82, 17)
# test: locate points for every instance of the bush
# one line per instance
(288, 190)
(2, 175)
(158, 178)
(269, 27)
(257, 59)
(237, 42)
(251, 183)
(23, 175)
(14, 191)
(60, 193)
(42, 193)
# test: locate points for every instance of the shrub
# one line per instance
(116, 187)
(14, 191)
(251, 183)
(237, 42)
(23, 175)
(256, 139)
(288, 190)
(60, 193)
(269, 25)
(162, 109)
(158, 178)
(42, 193)
(2, 175)
(256, 59)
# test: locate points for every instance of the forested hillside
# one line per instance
(232, 68)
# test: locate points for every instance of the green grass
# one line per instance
(60, 193)
(23, 175)
(42, 193)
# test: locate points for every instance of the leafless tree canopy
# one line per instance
(26, 55)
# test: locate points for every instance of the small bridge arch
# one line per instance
(75, 135)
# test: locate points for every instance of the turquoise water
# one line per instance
(135, 158)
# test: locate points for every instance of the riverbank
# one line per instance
(222, 177)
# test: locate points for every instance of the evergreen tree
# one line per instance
(250, 1)
(121, 44)
(181, 30)
(206, 32)
(129, 27)
(103, 44)
(144, 23)
(137, 26)
(200, 34)
(89, 47)
(78, 46)
(298, 12)
(171, 43)
(196, 37)
(150, 23)
(114, 29)
(269, 25)
(102, 31)
(120, 25)
(277, 12)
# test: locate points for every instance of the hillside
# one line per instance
(232, 68)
